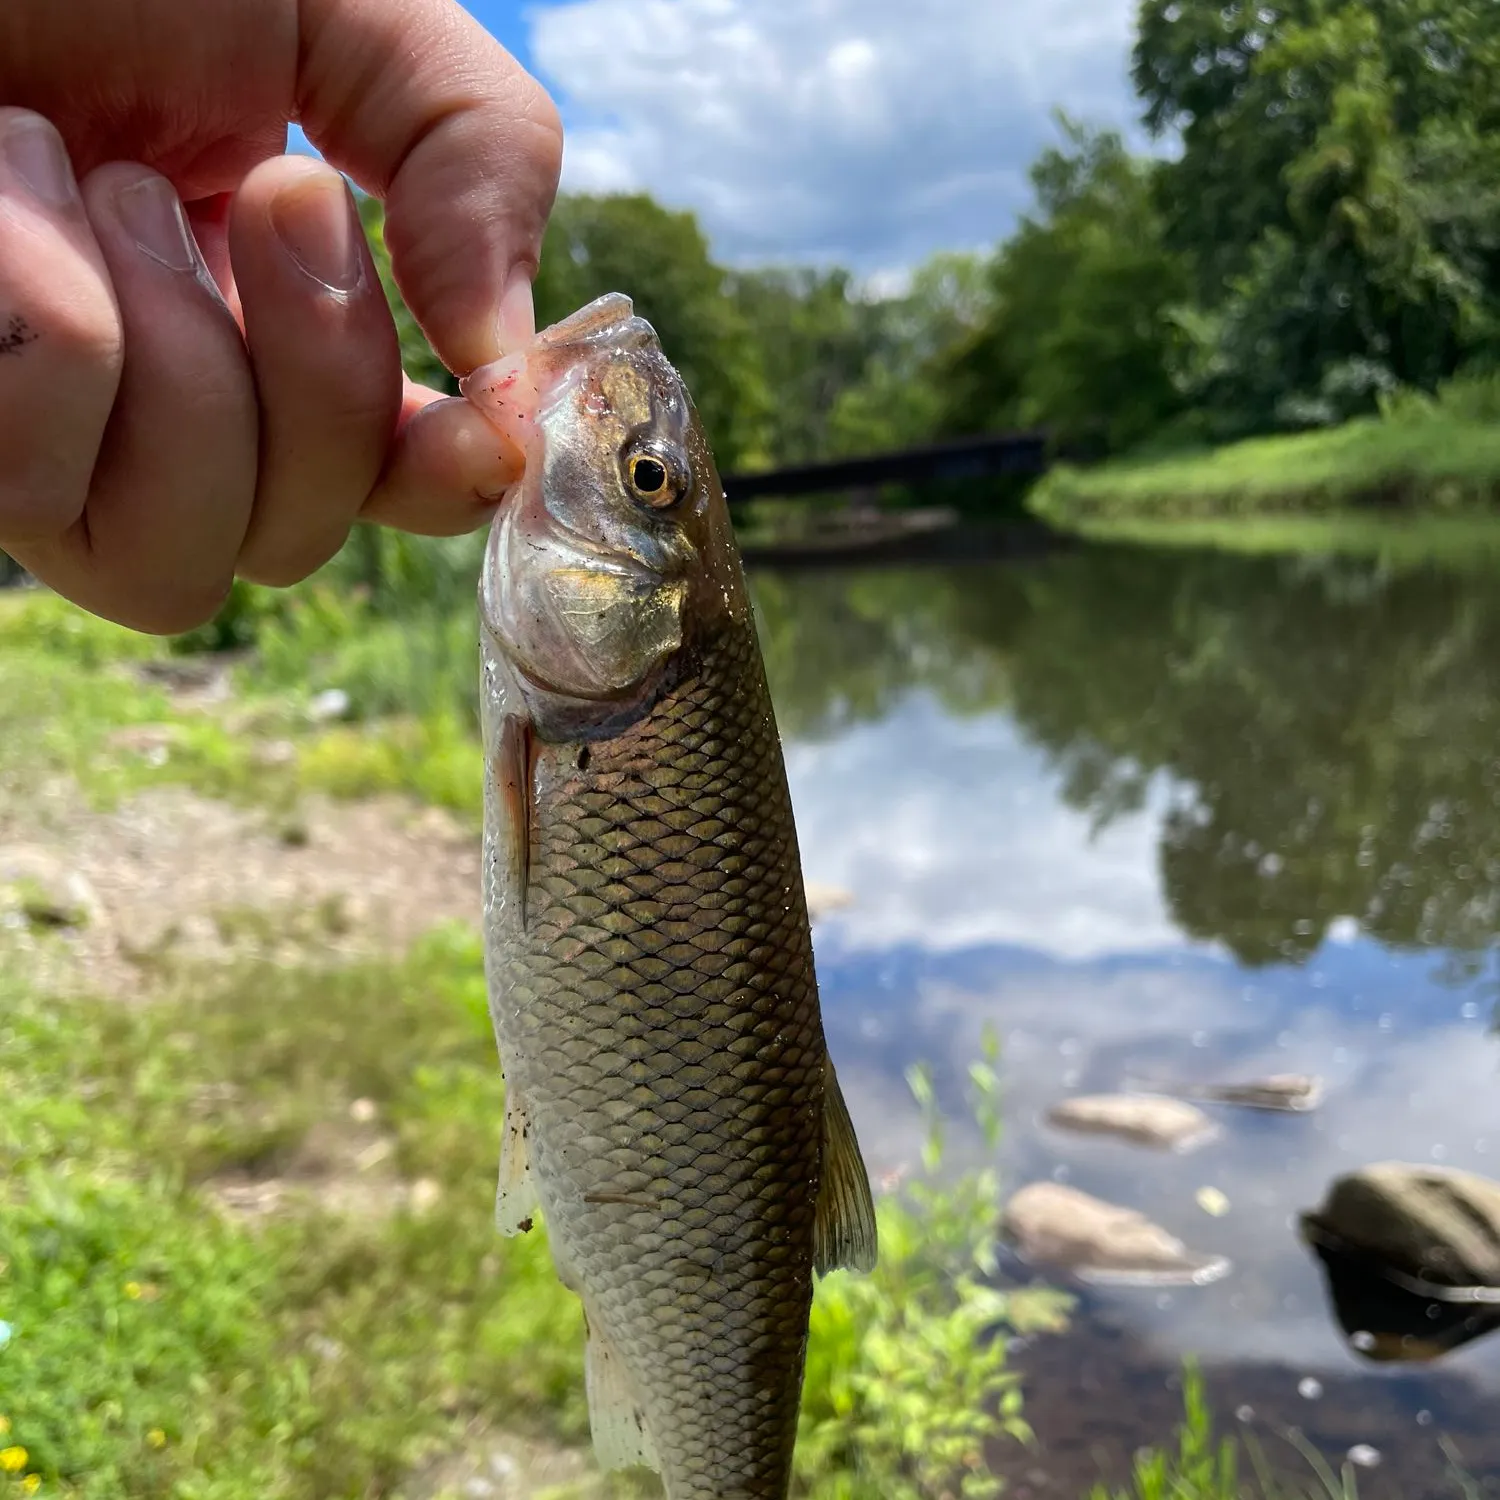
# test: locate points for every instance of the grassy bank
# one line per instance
(1435, 455)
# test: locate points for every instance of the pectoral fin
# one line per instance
(621, 1439)
(515, 764)
(515, 1198)
(844, 1232)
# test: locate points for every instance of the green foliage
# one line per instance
(38, 620)
(1081, 336)
(1437, 455)
(237, 624)
(158, 1348)
(1201, 1468)
(1333, 194)
(907, 1378)
(630, 244)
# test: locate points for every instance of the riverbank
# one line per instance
(1423, 456)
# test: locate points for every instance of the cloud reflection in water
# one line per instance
(981, 898)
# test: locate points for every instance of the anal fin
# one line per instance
(515, 1197)
(844, 1233)
(618, 1425)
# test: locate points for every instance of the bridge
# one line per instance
(1010, 453)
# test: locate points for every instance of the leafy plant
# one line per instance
(907, 1378)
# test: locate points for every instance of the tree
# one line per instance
(816, 337)
(659, 258)
(1081, 335)
(896, 400)
(1334, 195)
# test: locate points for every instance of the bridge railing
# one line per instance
(1012, 453)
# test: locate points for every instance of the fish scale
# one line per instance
(666, 1042)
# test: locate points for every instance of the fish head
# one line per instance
(615, 542)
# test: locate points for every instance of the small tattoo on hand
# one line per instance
(16, 336)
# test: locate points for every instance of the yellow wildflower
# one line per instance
(157, 1438)
(13, 1460)
(31, 1483)
(133, 1290)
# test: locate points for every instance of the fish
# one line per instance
(670, 1105)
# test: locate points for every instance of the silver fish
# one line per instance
(670, 1104)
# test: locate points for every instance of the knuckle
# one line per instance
(540, 112)
(78, 324)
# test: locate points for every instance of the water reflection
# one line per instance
(1166, 815)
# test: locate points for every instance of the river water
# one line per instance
(1181, 814)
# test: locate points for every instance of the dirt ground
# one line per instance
(175, 874)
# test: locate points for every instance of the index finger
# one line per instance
(422, 107)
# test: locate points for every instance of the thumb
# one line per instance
(422, 107)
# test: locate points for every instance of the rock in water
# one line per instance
(1102, 1242)
(1143, 1119)
(1437, 1227)
(1288, 1093)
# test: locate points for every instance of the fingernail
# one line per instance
(152, 213)
(515, 323)
(314, 220)
(34, 151)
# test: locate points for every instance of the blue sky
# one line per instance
(506, 22)
(822, 130)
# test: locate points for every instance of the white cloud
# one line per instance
(865, 131)
(949, 833)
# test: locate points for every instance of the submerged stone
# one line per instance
(1054, 1225)
(1142, 1119)
(1411, 1255)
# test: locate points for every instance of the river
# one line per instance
(1171, 813)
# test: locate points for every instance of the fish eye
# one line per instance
(656, 478)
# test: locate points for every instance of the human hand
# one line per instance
(177, 408)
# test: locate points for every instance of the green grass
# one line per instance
(1436, 455)
(73, 691)
(315, 1356)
